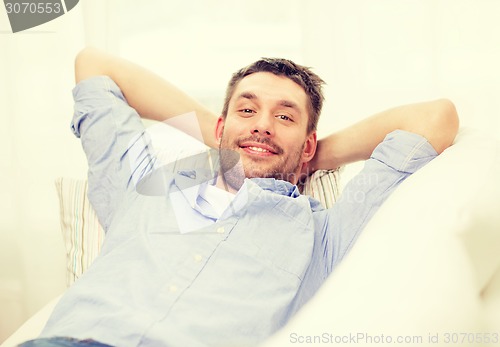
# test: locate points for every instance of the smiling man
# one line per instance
(270, 121)
(193, 265)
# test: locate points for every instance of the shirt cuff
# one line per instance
(404, 151)
(91, 94)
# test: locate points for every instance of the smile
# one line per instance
(258, 149)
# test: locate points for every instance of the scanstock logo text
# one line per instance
(28, 14)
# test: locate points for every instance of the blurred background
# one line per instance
(374, 54)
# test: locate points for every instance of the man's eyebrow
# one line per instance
(288, 103)
(247, 95)
(285, 103)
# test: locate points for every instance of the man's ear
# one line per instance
(310, 146)
(219, 129)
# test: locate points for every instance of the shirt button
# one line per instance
(172, 288)
(198, 258)
(220, 230)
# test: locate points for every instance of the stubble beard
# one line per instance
(235, 169)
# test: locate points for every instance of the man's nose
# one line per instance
(263, 125)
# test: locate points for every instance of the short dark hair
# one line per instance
(303, 76)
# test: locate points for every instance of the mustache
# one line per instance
(264, 140)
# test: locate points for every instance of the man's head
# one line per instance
(269, 119)
(301, 75)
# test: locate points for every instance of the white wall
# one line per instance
(198, 45)
(373, 53)
(35, 148)
(376, 54)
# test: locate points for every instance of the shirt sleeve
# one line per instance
(111, 132)
(397, 157)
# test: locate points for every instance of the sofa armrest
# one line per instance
(33, 326)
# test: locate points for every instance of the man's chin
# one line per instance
(271, 174)
(258, 172)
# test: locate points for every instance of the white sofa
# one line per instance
(425, 271)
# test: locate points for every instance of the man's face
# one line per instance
(266, 125)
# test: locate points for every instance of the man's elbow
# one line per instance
(444, 124)
(89, 62)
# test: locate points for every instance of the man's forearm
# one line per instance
(152, 97)
(437, 121)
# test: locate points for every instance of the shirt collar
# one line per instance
(190, 178)
(190, 183)
(193, 183)
(278, 186)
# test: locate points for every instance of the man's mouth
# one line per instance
(258, 148)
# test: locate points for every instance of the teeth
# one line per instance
(258, 149)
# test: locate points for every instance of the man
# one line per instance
(180, 268)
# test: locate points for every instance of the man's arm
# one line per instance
(155, 98)
(150, 95)
(437, 121)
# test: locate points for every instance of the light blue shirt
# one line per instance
(231, 282)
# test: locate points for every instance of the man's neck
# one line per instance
(221, 183)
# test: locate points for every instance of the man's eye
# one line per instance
(246, 110)
(284, 117)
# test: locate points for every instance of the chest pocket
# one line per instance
(279, 231)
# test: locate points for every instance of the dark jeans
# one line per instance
(62, 342)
